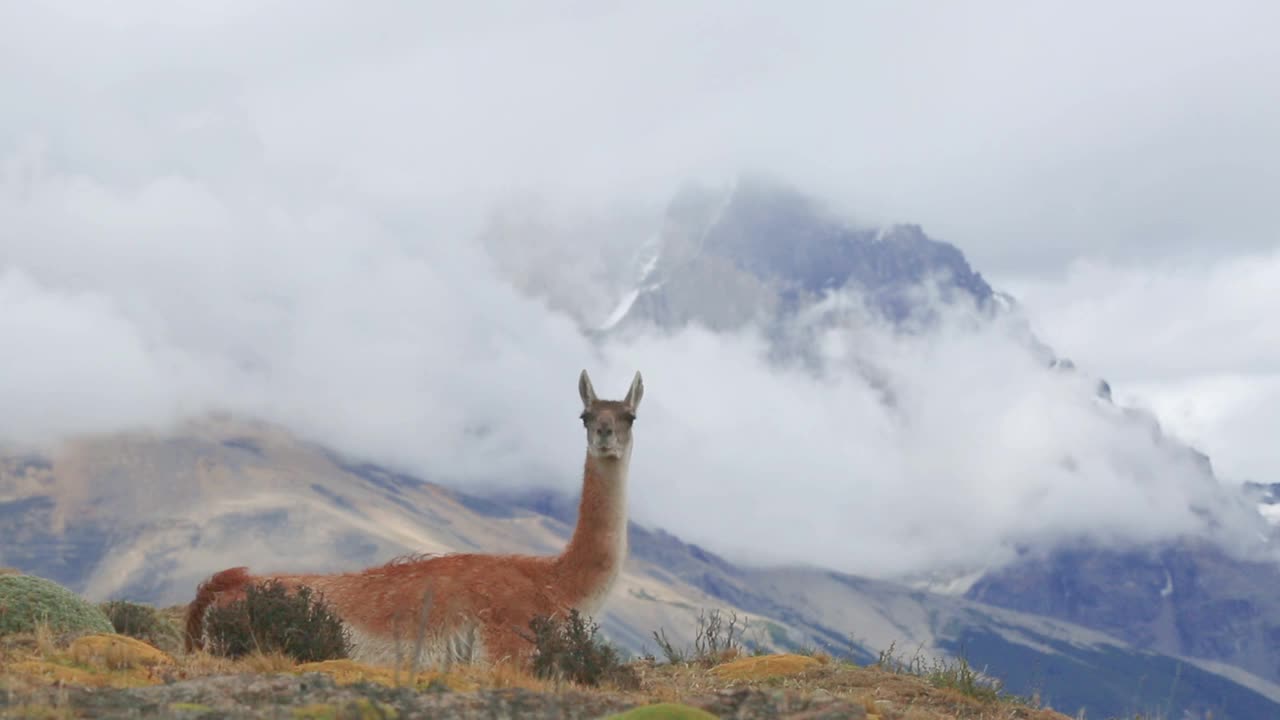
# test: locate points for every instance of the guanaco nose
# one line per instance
(604, 431)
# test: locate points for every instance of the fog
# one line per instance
(273, 209)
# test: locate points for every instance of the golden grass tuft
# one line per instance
(765, 666)
(347, 672)
(116, 652)
(48, 673)
(463, 678)
(505, 675)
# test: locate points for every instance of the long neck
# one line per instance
(591, 561)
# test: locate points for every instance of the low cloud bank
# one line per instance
(1196, 343)
(412, 349)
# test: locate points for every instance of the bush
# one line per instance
(143, 622)
(271, 619)
(27, 601)
(568, 649)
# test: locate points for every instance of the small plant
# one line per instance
(142, 622)
(715, 641)
(568, 649)
(718, 640)
(955, 674)
(271, 619)
(673, 654)
(27, 602)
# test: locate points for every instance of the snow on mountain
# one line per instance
(1267, 498)
(650, 254)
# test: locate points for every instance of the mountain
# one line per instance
(146, 515)
(760, 252)
(1186, 598)
(763, 253)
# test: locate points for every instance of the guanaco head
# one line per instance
(608, 422)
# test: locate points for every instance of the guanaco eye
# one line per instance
(586, 417)
(629, 417)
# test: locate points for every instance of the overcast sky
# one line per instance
(271, 206)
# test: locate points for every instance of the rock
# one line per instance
(819, 697)
(748, 703)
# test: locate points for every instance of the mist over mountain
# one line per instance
(934, 351)
(854, 394)
(763, 256)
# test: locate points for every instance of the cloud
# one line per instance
(274, 210)
(1195, 342)
(414, 350)
(1027, 134)
(73, 362)
(982, 451)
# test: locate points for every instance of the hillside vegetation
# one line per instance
(48, 672)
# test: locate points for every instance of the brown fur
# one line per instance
(210, 592)
(498, 595)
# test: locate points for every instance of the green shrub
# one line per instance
(568, 649)
(144, 623)
(270, 619)
(27, 601)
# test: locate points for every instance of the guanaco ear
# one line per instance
(585, 391)
(635, 393)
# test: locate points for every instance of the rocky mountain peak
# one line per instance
(762, 250)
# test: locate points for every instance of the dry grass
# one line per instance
(40, 659)
(44, 639)
(116, 652)
(886, 695)
(43, 660)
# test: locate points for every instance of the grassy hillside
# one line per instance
(46, 675)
